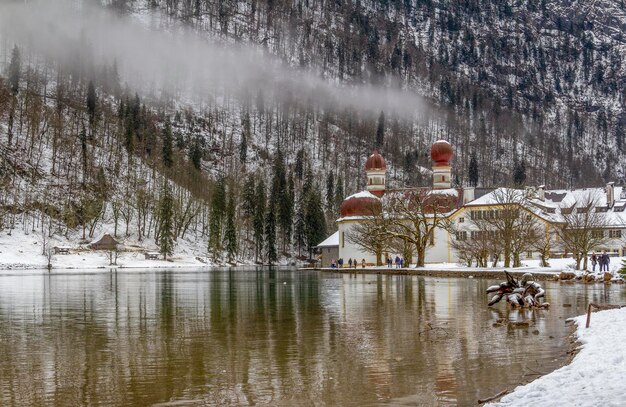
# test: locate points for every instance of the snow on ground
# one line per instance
(594, 378)
(528, 266)
(21, 250)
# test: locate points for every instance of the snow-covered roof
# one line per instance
(332, 240)
(362, 194)
(447, 191)
(493, 197)
(558, 200)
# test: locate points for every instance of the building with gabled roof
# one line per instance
(550, 208)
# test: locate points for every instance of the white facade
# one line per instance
(439, 252)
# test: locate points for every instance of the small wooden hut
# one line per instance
(106, 242)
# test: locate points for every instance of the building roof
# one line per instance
(363, 203)
(558, 202)
(441, 152)
(106, 242)
(331, 241)
(375, 162)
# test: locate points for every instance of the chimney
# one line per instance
(541, 192)
(610, 194)
(468, 194)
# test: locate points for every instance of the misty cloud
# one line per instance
(161, 58)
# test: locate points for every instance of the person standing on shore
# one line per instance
(594, 261)
(604, 261)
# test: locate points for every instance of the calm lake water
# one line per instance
(259, 337)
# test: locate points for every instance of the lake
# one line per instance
(272, 337)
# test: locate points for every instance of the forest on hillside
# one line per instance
(251, 172)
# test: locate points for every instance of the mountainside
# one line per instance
(522, 80)
(252, 120)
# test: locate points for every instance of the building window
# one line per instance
(597, 234)
(462, 235)
(615, 234)
(342, 242)
(461, 219)
(529, 255)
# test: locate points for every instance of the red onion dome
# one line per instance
(361, 204)
(375, 162)
(441, 152)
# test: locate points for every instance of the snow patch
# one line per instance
(595, 376)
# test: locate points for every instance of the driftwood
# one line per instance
(600, 307)
(488, 399)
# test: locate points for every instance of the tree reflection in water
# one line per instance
(244, 337)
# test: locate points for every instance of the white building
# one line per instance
(549, 207)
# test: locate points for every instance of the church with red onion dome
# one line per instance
(376, 170)
(360, 204)
(461, 210)
(441, 153)
(370, 202)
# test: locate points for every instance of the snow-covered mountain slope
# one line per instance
(538, 82)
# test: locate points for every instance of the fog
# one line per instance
(165, 59)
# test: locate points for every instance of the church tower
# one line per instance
(441, 153)
(376, 171)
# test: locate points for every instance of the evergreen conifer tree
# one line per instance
(166, 152)
(339, 192)
(230, 234)
(129, 137)
(15, 67)
(195, 154)
(83, 150)
(166, 227)
(243, 146)
(249, 203)
(91, 104)
(330, 191)
(299, 165)
(300, 228)
(473, 171)
(308, 183)
(519, 174)
(270, 233)
(280, 200)
(315, 223)
(259, 218)
(243, 149)
(218, 207)
(380, 131)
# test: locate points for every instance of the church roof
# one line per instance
(330, 241)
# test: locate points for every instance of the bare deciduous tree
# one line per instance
(414, 215)
(582, 230)
(371, 232)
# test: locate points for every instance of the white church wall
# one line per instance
(349, 250)
(440, 251)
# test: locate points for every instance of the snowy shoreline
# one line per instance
(593, 377)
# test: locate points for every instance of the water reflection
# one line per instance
(279, 337)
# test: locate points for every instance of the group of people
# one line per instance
(602, 259)
(398, 261)
(351, 263)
